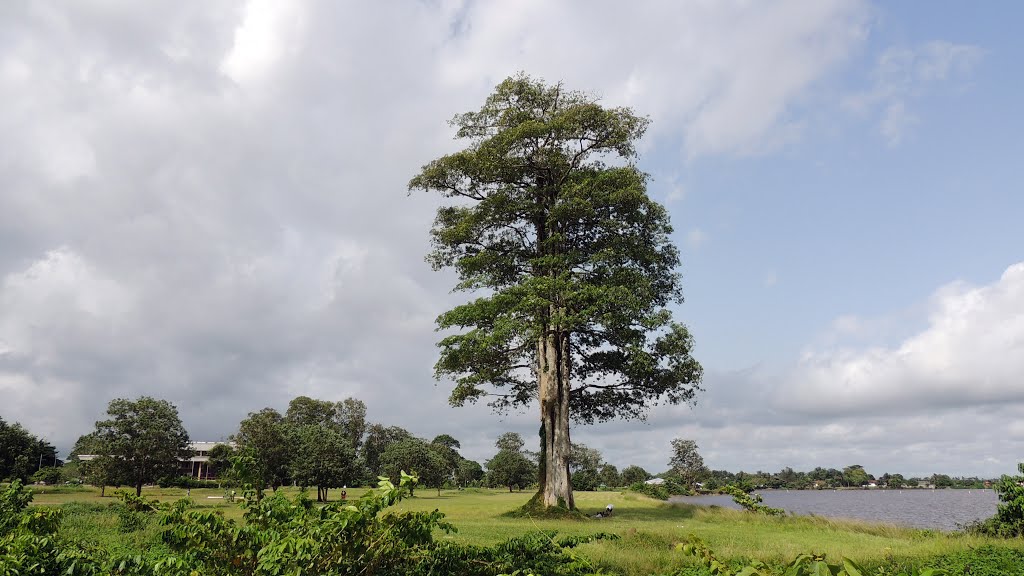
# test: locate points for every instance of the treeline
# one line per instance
(23, 454)
(854, 476)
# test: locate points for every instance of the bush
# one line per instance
(657, 491)
(187, 482)
(1009, 519)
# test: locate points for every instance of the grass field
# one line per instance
(648, 528)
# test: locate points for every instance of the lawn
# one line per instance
(648, 528)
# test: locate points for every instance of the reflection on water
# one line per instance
(939, 509)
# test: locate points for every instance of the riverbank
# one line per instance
(648, 529)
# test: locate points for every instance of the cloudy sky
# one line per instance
(206, 202)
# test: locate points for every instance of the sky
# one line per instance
(207, 202)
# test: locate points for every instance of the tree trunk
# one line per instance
(554, 408)
(103, 490)
(138, 488)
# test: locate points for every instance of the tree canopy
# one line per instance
(571, 262)
(686, 461)
(145, 437)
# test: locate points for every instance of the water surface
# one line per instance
(938, 509)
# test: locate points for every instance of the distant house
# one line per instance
(925, 484)
(655, 481)
(198, 465)
(195, 466)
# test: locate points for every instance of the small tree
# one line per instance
(686, 461)
(633, 474)
(220, 459)
(1010, 512)
(262, 440)
(378, 439)
(511, 469)
(416, 457)
(609, 476)
(145, 437)
(469, 472)
(100, 469)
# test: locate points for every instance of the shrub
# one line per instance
(657, 491)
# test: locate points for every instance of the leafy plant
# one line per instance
(751, 502)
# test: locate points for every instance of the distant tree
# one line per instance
(447, 447)
(573, 263)
(686, 461)
(855, 476)
(608, 475)
(350, 416)
(22, 453)
(510, 441)
(942, 481)
(416, 457)
(511, 469)
(378, 439)
(586, 480)
(896, 481)
(263, 450)
(633, 474)
(145, 437)
(101, 469)
(469, 472)
(323, 457)
(220, 459)
(306, 411)
(582, 457)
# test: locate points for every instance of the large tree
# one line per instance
(145, 437)
(571, 261)
(323, 457)
(264, 453)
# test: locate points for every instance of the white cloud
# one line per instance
(268, 32)
(902, 75)
(696, 238)
(971, 353)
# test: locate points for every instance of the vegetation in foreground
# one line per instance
(648, 532)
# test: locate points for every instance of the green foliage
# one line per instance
(751, 502)
(658, 491)
(263, 451)
(416, 456)
(145, 437)
(510, 467)
(553, 224)
(220, 459)
(587, 479)
(322, 457)
(802, 565)
(378, 438)
(470, 472)
(21, 452)
(283, 536)
(633, 474)
(686, 461)
(1009, 519)
(48, 475)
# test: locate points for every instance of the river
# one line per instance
(938, 509)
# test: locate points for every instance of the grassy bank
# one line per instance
(648, 529)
